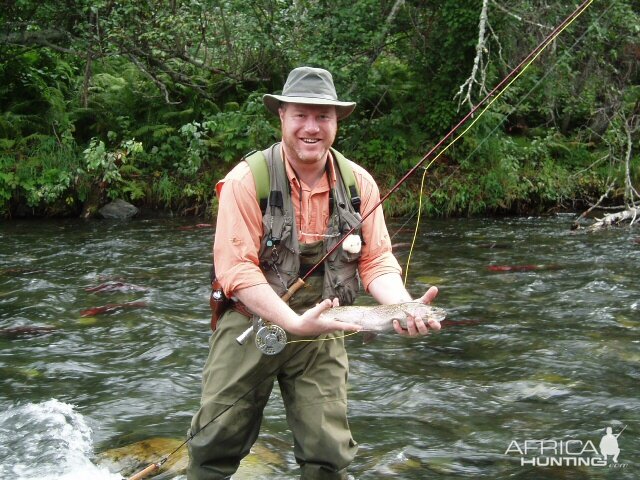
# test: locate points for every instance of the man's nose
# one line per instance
(311, 125)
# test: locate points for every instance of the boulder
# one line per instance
(119, 210)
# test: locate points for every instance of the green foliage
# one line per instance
(112, 168)
(227, 136)
(41, 180)
(79, 82)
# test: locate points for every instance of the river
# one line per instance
(545, 358)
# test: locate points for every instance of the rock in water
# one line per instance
(133, 458)
(119, 210)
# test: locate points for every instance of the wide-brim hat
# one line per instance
(310, 86)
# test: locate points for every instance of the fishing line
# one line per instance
(496, 92)
(324, 339)
(526, 63)
(537, 84)
(415, 231)
(154, 467)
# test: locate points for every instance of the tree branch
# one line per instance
(630, 213)
(163, 88)
(518, 17)
(576, 223)
(41, 38)
(478, 62)
(630, 193)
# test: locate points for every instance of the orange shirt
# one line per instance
(239, 226)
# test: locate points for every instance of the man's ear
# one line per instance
(281, 109)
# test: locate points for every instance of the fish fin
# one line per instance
(368, 337)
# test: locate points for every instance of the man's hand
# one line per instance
(263, 301)
(415, 325)
(311, 324)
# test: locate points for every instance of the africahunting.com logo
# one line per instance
(572, 452)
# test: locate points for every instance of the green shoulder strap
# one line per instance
(348, 178)
(260, 171)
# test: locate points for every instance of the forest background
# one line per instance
(154, 101)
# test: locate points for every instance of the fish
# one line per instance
(459, 323)
(116, 287)
(196, 226)
(522, 268)
(16, 271)
(25, 331)
(111, 307)
(379, 318)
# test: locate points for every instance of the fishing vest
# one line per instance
(282, 258)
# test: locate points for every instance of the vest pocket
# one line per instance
(344, 285)
(277, 263)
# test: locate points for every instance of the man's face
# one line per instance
(307, 131)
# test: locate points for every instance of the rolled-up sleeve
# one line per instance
(238, 232)
(377, 258)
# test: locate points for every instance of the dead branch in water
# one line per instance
(615, 219)
(629, 211)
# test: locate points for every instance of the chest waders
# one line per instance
(312, 376)
(284, 260)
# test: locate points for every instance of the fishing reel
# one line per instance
(270, 339)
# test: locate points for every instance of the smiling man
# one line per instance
(262, 247)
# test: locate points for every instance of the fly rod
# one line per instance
(497, 91)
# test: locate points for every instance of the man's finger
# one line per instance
(429, 295)
(399, 330)
(421, 326)
(325, 304)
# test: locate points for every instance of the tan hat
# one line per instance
(311, 86)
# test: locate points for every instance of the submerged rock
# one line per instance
(119, 210)
(130, 459)
(133, 458)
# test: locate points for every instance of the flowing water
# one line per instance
(549, 353)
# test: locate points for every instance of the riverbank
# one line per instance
(447, 192)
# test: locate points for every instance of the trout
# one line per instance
(379, 318)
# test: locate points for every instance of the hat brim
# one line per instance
(343, 109)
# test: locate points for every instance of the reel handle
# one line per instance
(244, 336)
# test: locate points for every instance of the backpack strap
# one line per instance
(349, 179)
(260, 171)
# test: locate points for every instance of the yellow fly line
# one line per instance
(323, 339)
(472, 123)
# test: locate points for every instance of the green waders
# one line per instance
(313, 381)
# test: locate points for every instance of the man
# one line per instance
(258, 253)
(609, 445)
